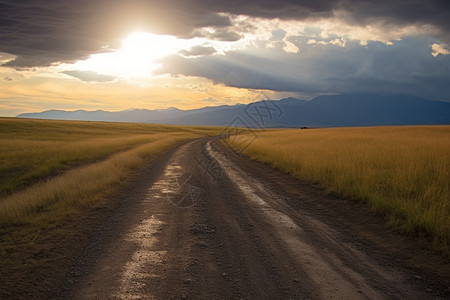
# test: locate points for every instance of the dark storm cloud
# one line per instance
(42, 32)
(89, 76)
(234, 69)
(406, 67)
(434, 12)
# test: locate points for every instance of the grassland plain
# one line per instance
(31, 150)
(53, 170)
(401, 172)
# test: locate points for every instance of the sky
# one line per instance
(155, 54)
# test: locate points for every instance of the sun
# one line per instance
(137, 58)
(140, 50)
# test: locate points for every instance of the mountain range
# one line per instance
(322, 111)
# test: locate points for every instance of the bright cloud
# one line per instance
(135, 60)
(438, 49)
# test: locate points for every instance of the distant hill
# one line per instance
(323, 111)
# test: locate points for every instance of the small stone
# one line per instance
(187, 280)
(417, 277)
(224, 274)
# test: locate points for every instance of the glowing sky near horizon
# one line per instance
(116, 55)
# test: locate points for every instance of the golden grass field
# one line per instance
(402, 172)
(50, 169)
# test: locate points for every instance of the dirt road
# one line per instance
(206, 223)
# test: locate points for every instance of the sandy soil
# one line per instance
(205, 222)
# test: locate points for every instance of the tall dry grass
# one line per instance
(34, 149)
(57, 197)
(403, 172)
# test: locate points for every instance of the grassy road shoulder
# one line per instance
(401, 172)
